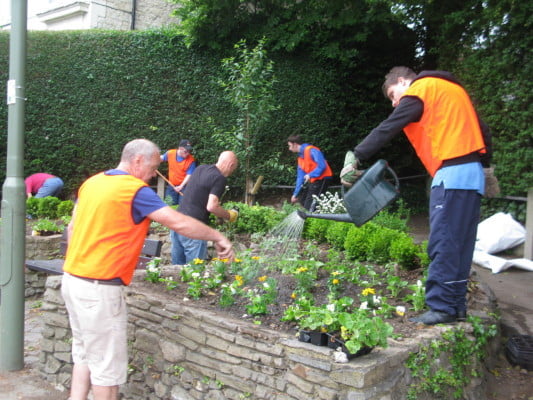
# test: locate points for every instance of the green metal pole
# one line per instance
(13, 241)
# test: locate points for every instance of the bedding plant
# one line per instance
(322, 286)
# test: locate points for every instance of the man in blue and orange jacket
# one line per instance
(438, 117)
(313, 173)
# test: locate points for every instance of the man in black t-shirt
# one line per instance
(204, 190)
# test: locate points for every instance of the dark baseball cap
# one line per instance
(186, 145)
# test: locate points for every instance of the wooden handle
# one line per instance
(166, 180)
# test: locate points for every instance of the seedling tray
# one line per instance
(519, 351)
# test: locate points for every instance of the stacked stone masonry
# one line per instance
(182, 352)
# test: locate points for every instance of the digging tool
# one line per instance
(166, 180)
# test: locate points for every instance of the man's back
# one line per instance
(205, 180)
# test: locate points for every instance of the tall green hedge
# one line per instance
(89, 92)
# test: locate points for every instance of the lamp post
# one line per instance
(13, 239)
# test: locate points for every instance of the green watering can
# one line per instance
(368, 196)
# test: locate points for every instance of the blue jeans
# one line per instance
(51, 187)
(184, 249)
(175, 196)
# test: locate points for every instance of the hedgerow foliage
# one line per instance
(89, 92)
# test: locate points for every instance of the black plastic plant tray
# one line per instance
(519, 351)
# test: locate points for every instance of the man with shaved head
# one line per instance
(204, 191)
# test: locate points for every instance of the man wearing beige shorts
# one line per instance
(106, 235)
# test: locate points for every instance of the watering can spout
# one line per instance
(333, 217)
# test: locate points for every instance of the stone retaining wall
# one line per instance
(39, 248)
(185, 353)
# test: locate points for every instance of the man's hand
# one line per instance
(224, 249)
(350, 173)
(233, 215)
(294, 199)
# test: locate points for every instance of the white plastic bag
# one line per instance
(499, 264)
(498, 233)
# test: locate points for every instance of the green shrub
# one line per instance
(395, 221)
(356, 244)
(64, 209)
(422, 254)
(46, 225)
(372, 242)
(48, 207)
(315, 229)
(404, 251)
(379, 243)
(254, 219)
(336, 234)
(32, 207)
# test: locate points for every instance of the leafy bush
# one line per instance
(379, 242)
(372, 242)
(254, 219)
(315, 229)
(404, 251)
(46, 225)
(48, 207)
(394, 220)
(64, 209)
(356, 243)
(32, 207)
(336, 234)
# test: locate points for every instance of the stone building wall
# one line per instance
(182, 352)
(117, 14)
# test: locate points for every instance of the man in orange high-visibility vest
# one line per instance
(312, 175)
(438, 118)
(181, 165)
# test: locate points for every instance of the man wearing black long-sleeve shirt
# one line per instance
(436, 114)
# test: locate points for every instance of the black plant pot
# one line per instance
(313, 337)
(334, 343)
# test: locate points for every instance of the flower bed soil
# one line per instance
(286, 285)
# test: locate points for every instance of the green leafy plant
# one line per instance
(360, 329)
(153, 270)
(64, 209)
(465, 352)
(249, 87)
(417, 297)
(48, 226)
(253, 219)
(261, 297)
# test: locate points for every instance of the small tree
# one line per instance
(250, 77)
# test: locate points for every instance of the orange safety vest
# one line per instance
(106, 242)
(449, 127)
(307, 164)
(177, 170)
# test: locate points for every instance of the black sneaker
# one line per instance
(461, 315)
(434, 317)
